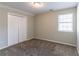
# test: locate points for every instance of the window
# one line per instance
(65, 23)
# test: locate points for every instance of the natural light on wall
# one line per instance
(65, 22)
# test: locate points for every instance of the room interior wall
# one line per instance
(78, 28)
(46, 27)
(4, 25)
(3, 28)
(30, 27)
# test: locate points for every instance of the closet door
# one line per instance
(22, 29)
(16, 29)
(12, 30)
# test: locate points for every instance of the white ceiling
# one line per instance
(27, 7)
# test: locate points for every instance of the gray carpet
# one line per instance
(36, 47)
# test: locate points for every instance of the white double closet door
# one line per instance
(16, 29)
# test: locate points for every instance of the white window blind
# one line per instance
(65, 23)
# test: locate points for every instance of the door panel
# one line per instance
(22, 29)
(16, 29)
(12, 30)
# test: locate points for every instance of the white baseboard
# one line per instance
(46, 40)
(30, 38)
(3, 45)
(27, 39)
(57, 42)
(14, 44)
(78, 50)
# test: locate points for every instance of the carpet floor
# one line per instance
(36, 47)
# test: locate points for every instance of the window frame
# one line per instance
(61, 22)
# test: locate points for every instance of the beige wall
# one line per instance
(46, 27)
(4, 26)
(30, 27)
